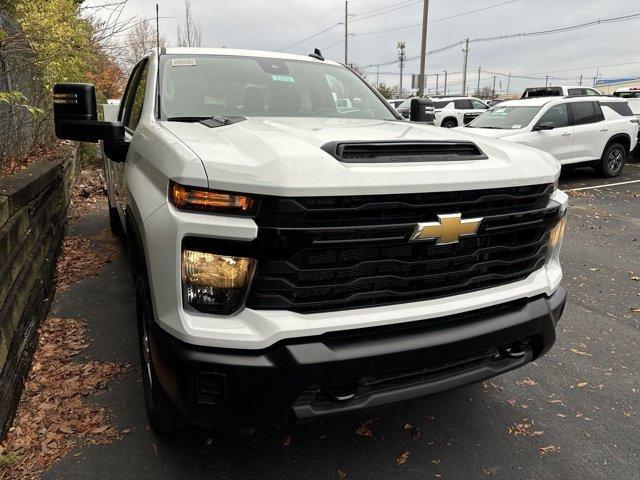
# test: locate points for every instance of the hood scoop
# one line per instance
(404, 151)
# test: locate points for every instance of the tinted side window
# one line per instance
(557, 114)
(128, 93)
(463, 105)
(621, 108)
(592, 93)
(440, 104)
(138, 99)
(576, 92)
(585, 112)
(478, 105)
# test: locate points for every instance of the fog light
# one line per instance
(215, 283)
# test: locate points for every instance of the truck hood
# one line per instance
(283, 156)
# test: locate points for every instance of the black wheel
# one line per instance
(449, 123)
(163, 414)
(114, 222)
(613, 160)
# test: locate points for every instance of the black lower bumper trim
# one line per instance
(347, 371)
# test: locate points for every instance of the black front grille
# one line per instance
(331, 253)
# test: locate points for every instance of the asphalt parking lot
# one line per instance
(573, 414)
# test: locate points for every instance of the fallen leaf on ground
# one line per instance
(287, 441)
(53, 413)
(524, 428)
(548, 449)
(364, 430)
(527, 381)
(403, 457)
(581, 353)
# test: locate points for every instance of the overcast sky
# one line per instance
(277, 24)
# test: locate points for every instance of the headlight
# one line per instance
(203, 200)
(555, 238)
(215, 283)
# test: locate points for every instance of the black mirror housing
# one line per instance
(421, 110)
(544, 126)
(75, 114)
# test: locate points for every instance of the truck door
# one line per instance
(129, 115)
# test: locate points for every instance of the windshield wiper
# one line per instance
(211, 122)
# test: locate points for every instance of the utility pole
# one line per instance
(464, 70)
(437, 82)
(377, 77)
(508, 84)
(423, 49)
(580, 80)
(401, 59)
(346, 32)
(479, 73)
(446, 74)
(493, 95)
(546, 82)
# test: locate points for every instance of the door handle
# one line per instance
(566, 134)
(604, 129)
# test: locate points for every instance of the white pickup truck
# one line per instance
(296, 255)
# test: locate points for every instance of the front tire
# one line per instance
(613, 160)
(449, 123)
(163, 415)
(114, 222)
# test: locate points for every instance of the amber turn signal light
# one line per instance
(203, 200)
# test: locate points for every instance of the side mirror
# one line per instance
(75, 114)
(421, 110)
(544, 126)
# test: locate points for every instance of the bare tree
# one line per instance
(189, 35)
(140, 39)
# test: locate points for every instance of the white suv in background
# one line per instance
(563, 91)
(600, 131)
(453, 112)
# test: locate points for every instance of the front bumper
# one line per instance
(346, 371)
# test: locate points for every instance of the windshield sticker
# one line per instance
(283, 78)
(517, 127)
(183, 62)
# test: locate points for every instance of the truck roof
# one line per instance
(232, 52)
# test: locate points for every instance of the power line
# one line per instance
(560, 29)
(310, 37)
(567, 28)
(388, 9)
(385, 7)
(488, 7)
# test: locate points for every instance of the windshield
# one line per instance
(508, 118)
(627, 94)
(204, 86)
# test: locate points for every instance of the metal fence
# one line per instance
(20, 131)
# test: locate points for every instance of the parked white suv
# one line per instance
(452, 112)
(295, 259)
(600, 131)
(562, 91)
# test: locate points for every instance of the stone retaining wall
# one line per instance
(33, 205)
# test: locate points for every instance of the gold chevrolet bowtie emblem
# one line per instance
(447, 230)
